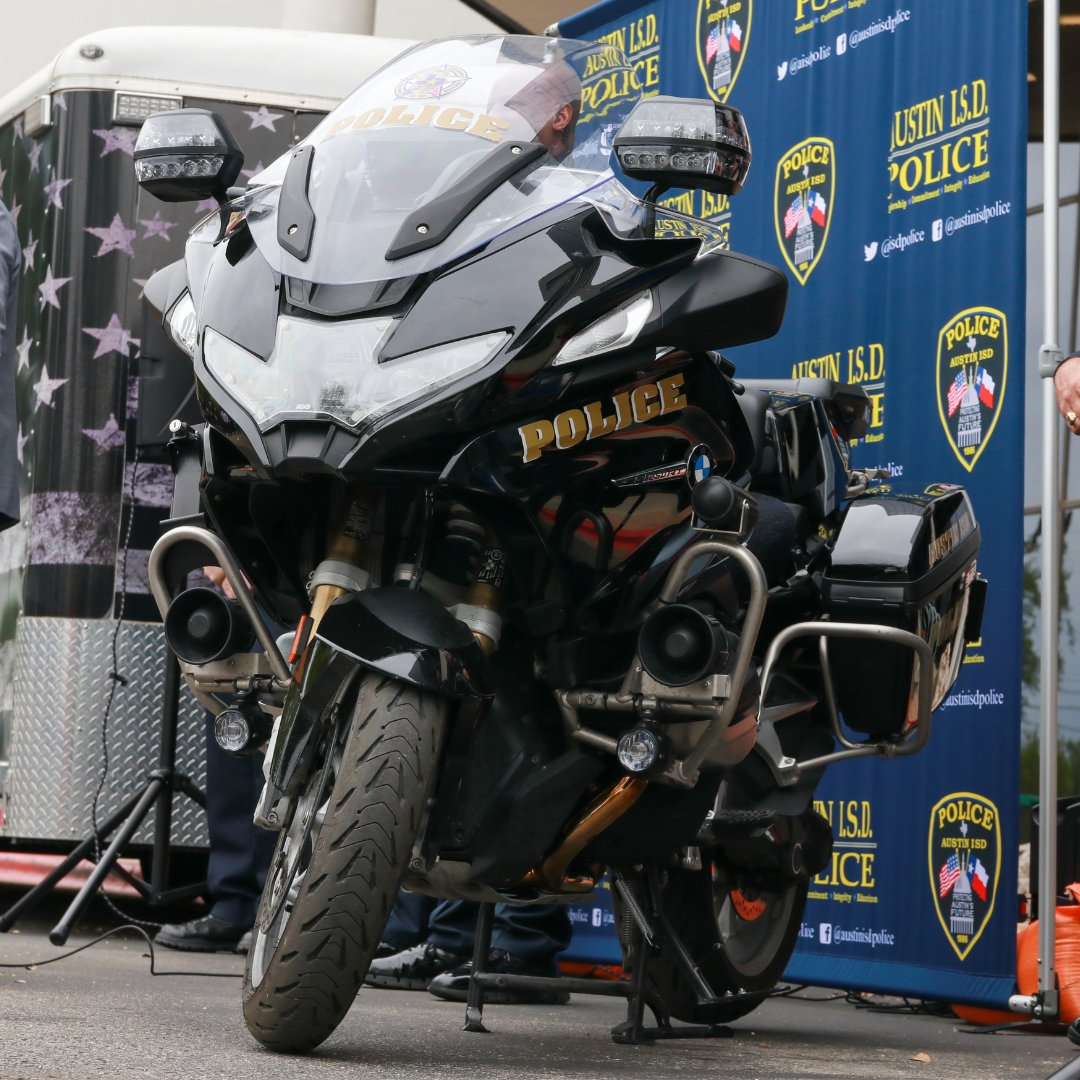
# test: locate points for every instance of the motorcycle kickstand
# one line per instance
(474, 1008)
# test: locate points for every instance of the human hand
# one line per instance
(1067, 388)
(217, 577)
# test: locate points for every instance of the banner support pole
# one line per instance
(1049, 356)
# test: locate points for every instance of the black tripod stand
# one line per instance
(155, 793)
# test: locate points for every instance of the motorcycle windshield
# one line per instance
(443, 149)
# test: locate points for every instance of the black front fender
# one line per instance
(402, 633)
(408, 635)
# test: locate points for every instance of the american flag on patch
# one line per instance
(792, 215)
(956, 392)
(948, 876)
(712, 44)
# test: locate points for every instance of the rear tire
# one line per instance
(339, 863)
(741, 940)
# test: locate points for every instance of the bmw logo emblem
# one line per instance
(699, 465)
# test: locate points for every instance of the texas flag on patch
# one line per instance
(817, 208)
(956, 392)
(735, 37)
(792, 215)
(712, 44)
(986, 387)
(979, 878)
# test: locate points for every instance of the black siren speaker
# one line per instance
(679, 645)
(201, 625)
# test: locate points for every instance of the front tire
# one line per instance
(339, 863)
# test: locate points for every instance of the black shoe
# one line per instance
(208, 934)
(411, 969)
(454, 985)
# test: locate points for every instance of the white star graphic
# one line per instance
(263, 119)
(53, 189)
(23, 349)
(35, 157)
(14, 210)
(45, 387)
(116, 236)
(249, 173)
(141, 282)
(29, 252)
(157, 226)
(204, 206)
(3, 173)
(112, 338)
(108, 437)
(117, 138)
(50, 288)
(22, 441)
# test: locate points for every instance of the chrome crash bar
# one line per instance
(199, 675)
(716, 698)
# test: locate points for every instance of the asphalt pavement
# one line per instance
(102, 1014)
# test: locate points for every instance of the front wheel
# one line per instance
(339, 863)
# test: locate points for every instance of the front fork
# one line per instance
(342, 572)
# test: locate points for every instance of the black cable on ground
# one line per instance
(29, 965)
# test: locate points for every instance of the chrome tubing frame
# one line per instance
(223, 557)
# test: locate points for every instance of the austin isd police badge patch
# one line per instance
(972, 363)
(803, 203)
(723, 30)
(965, 862)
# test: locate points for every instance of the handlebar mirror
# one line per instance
(685, 142)
(186, 155)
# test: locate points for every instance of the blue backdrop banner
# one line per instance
(888, 179)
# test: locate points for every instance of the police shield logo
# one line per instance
(804, 202)
(972, 365)
(723, 31)
(964, 863)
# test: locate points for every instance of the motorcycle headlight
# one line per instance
(615, 330)
(181, 324)
(323, 369)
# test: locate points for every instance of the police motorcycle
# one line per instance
(569, 597)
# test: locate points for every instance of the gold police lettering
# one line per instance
(941, 138)
(977, 813)
(972, 326)
(803, 8)
(449, 118)
(814, 154)
(593, 421)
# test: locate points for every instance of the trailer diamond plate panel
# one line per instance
(62, 684)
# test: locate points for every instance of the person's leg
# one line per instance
(533, 934)
(526, 940)
(240, 853)
(448, 944)
(408, 925)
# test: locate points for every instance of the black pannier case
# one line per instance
(907, 561)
